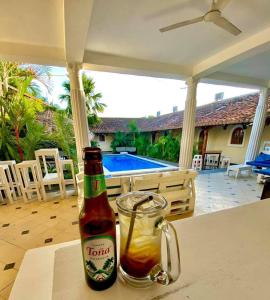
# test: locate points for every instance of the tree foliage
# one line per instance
(18, 107)
(167, 147)
(93, 100)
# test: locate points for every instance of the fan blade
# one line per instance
(220, 4)
(181, 24)
(226, 25)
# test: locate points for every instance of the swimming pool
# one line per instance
(121, 164)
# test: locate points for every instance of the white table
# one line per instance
(225, 256)
(237, 169)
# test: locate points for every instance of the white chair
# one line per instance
(225, 162)
(211, 161)
(68, 162)
(197, 162)
(15, 182)
(49, 178)
(30, 180)
(6, 183)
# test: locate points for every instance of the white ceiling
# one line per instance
(123, 36)
(130, 28)
(257, 66)
(38, 22)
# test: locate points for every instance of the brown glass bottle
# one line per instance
(97, 225)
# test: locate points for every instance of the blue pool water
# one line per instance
(124, 162)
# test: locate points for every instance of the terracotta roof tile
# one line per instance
(235, 110)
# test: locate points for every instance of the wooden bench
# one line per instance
(177, 187)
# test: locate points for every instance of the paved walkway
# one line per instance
(28, 225)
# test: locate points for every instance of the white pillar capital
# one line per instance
(74, 67)
(191, 81)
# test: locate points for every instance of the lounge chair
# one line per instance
(262, 161)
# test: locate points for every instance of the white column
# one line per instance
(187, 139)
(257, 127)
(80, 122)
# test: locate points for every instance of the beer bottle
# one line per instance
(97, 225)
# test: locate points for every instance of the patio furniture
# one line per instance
(177, 187)
(211, 159)
(238, 169)
(225, 162)
(126, 149)
(81, 167)
(266, 189)
(30, 180)
(15, 182)
(6, 184)
(115, 187)
(72, 180)
(262, 161)
(197, 162)
(52, 158)
(224, 255)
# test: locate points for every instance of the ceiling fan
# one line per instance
(213, 15)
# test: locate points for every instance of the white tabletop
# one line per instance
(225, 255)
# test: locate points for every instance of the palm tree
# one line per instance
(93, 100)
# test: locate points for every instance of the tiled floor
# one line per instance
(24, 226)
(216, 191)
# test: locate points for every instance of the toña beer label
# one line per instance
(99, 257)
(94, 185)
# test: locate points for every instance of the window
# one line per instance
(102, 137)
(237, 137)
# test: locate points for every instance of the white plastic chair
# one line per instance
(225, 162)
(30, 184)
(53, 177)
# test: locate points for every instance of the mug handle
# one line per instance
(173, 267)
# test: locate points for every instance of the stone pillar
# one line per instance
(79, 116)
(187, 139)
(257, 127)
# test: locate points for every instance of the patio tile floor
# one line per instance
(38, 224)
(217, 191)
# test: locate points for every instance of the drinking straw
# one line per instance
(132, 221)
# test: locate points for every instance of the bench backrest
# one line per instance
(177, 187)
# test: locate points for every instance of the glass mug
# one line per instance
(141, 217)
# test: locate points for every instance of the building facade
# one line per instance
(222, 125)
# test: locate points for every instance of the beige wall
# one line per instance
(219, 139)
(105, 146)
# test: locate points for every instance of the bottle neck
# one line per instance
(95, 194)
(93, 167)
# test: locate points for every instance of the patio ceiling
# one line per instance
(123, 36)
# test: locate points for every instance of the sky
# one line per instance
(140, 96)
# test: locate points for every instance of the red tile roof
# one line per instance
(235, 110)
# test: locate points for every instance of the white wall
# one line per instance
(105, 146)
